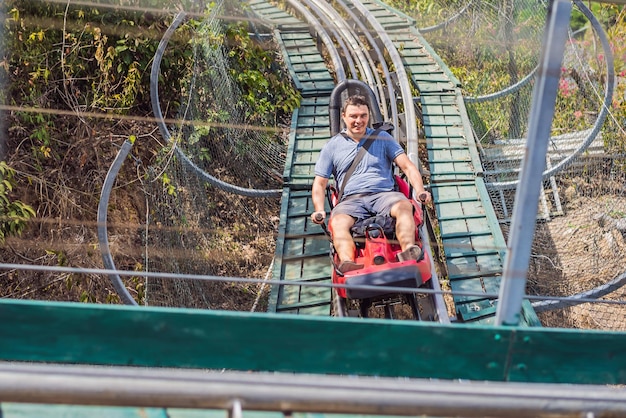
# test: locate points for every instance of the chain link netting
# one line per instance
(493, 48)
(579, 247)
(195, 226)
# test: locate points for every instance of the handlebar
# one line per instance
(319, 219)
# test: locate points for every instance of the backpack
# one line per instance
(387, 223)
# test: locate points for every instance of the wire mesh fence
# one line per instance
(198, 226)
(168, 210)
(493, 48)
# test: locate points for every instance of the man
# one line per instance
(370, 189)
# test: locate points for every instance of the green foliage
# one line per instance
(614, 135)
(84, 58)
(60, 256)
(425, 8)
(87, 297)
(14, 214)
(577, 100)
(138, 284)
(607, 14)
(169, 187)
(237, 81)
(63, 63)
(42, 146)
(254, 67)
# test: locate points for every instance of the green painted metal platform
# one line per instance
(115, 335)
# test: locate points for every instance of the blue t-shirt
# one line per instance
(373, 174)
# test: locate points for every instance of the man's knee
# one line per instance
(402, 207)
(341, 222)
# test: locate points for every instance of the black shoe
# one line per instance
(347, 266)
(414, 252)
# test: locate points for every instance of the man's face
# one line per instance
(356, 118)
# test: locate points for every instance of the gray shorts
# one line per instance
(364, 206)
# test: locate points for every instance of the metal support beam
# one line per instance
(515, 270)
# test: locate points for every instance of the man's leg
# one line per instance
(342, 238)
(402, 211)
(405, 231)
(343, 242)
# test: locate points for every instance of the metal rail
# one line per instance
(339, 35)
(388, 84)
(236, 391)
(367, 69)
(404, 84)
(103, 236)
(355, 54)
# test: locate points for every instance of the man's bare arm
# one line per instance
(318, 194)
(413, 174)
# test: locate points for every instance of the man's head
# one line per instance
(355, 115)
(355, 100)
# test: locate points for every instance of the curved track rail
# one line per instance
(158, 114)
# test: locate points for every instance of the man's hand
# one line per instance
(424, 197)
(318, 217)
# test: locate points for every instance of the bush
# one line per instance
(13, 213)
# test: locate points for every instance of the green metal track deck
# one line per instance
(472, 240)
(302, 249)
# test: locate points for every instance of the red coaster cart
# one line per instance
(377, 250)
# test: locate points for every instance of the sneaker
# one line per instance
(414, 252)
(347, 266)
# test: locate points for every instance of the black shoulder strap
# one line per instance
(357, 159)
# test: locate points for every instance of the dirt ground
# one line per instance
(65, 230)
(577, 252)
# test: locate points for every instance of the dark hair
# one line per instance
(355, 100)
